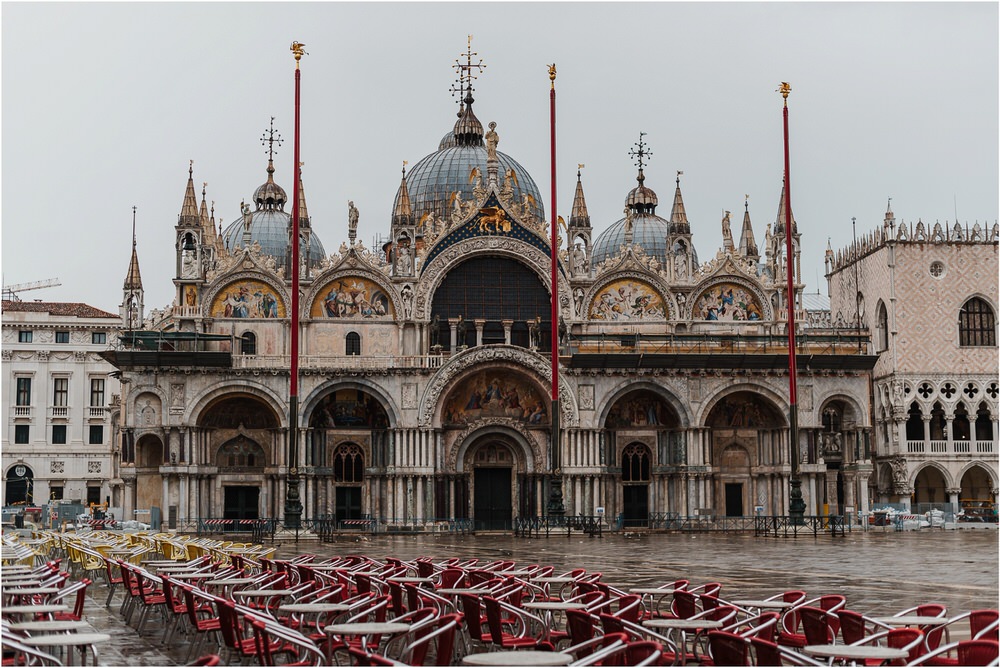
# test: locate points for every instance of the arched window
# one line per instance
(240, 453)
(937, 423)
(977, 325)
(882, 328)
(348, 463)
(248, 343)
(635, 463)
(353, 343)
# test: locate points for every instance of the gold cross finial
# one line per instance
(642, 153)
(271, 138)
(465, 75)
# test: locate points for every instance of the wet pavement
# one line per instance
(879, 572)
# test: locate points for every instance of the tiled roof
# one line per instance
(58, 308)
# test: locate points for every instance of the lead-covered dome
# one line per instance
(434, 178)
(648, 230)
(270, 225)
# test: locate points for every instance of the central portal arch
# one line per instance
(496, 464)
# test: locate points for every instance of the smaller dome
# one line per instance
(641, 199)
(648, 231)
(270, 195)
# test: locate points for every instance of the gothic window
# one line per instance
(348, 463)
(832, 419)
(882, 328)
(914, 424)
(248, 344)
(353, 344)
(977, 324)
(635, 463)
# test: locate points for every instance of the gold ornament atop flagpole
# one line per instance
(298, 50)
(552, 74)
(785, 89)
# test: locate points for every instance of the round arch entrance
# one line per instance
(20, 486)
(497, 483)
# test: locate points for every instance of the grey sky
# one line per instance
(104, 104)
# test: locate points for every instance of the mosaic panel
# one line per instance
(727, 301)
(627, 299)
(352, 297)
(248, 299)
(495, 393)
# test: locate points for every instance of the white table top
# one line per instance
(912, 620)
(651, 591)
(34, 609)
(404, 579)
(366, 628)
(552, 605)
(66, 639)
(517, 658)
(263, 592)
(314, 607)
(233, 581)
(455, 591)
(682, 624)
(553, 579)
(855, 652)
(52, 625)
(30, 591)
(11, 583)
(773, 605)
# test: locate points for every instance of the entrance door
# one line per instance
(635, 505)
(241, 503)
(734, 499)
(348, 503)
(492, 510)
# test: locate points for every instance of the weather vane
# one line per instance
(270, 137)
(785, 89)
(642, 153)
(465, 75)
(298, 51)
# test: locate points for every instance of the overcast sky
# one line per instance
(104, 105)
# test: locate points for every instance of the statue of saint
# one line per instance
(492, 139)
(352, 220)
(435, 331)
(460, 328)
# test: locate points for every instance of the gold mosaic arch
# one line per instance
(627, 299)
(248, 298)
(352, 297)
(495, 393)
(727, 301)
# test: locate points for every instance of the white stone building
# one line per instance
(60, 404)
(928, 293)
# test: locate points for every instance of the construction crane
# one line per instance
(10, 292)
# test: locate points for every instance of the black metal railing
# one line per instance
(528, 527)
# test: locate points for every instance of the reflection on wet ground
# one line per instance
(878, 572)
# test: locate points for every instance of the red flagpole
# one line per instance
(796, 506)
(555, 504)
(293, 506)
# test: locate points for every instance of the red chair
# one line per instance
(150, 596)
(582, 651)
(581, 626)
(202, 615)
(727, 649)
(636, 653)
(359, 657)
(112, 580)
(240, 643)
(434, 646)
(816, 626)
(275, 640)
(685, 604)
(175, 605)
(911, 640)
(962, 653)
(855, 626)
(767, 653)
(764, 626)
(77, 590)
(207, 660)
(520, 636)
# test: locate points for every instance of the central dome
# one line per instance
(432, 181)
(648, 230)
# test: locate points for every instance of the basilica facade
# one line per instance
(424, 388)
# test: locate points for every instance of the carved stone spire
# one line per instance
(748, 246)
(403, 215)
(579, 217)
(678, 217)
(189, 209)
(779, 225)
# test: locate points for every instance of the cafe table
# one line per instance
(547, 581)
(16, 594)
(33, 609)
(365, 630)
(314, 611)
(12, 581)
(652, 597)
(854, 654)
(517, 658)
(681, 627)
(410, 579)
(763, 604)
(48, 626)
(911, 620)
(69, 641)
(227, 585)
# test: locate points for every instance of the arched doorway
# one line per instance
(20, 486)
(642, 431)
(636, 463)
(929, 486)
(240, 461)
(349, 432)
(746, 430)
(149, 482)
(493, 467)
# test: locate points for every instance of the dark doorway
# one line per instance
(241, 503)
(492, 509)
(348, 503)
(635, 505)
(20, 486)
(734, 499)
